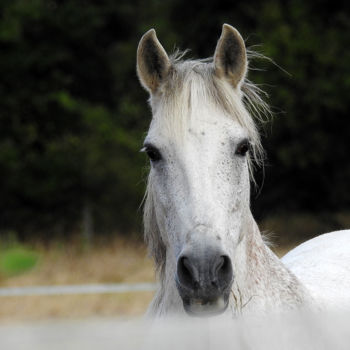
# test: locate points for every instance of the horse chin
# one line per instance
(205, 308)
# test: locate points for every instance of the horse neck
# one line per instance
(262, 282)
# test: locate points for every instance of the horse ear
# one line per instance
(230, 58)
(152, 61)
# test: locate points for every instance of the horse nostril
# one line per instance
(222, 271)
(187, 273)
(220, 264)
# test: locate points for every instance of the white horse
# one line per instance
(208, 250)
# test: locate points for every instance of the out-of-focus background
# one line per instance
(73, 117)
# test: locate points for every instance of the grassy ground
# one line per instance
(118, 261)
(115, 260)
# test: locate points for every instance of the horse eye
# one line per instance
(243, 148)
(152, 152)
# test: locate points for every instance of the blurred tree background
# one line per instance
(73, 115)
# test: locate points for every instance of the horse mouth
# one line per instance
(205, 307)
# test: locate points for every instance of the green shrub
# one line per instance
(17, 260)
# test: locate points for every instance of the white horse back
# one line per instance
(322, 264)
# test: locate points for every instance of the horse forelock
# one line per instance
(189, 84)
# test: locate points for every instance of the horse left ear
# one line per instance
(230, 58)
(153, 63)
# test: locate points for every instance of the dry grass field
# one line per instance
(110, 262)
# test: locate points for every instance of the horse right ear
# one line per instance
(230, 58)
(152, 62)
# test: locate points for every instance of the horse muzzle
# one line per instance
(204, 280)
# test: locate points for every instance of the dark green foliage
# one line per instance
(308, 166)
(71, 125)
(73, 115)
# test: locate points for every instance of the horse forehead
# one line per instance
(199, 131)
(212, 129)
